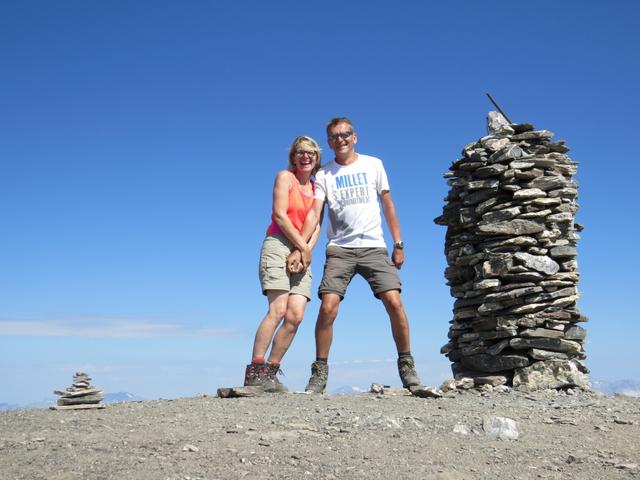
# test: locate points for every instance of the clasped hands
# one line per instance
(298, 261)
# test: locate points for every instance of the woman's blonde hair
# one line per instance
(310, 143)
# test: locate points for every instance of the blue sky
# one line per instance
(139, 142)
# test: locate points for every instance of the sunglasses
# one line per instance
(342, 135)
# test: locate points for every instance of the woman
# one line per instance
(287, 289)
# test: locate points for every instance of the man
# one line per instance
(353, 187)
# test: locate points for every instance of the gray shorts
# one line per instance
(273, 268)
(373, 264)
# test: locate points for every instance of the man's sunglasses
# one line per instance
(342, 135)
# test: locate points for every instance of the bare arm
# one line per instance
(390, 215)
(312, 221)
(316, 231)
(310, 231)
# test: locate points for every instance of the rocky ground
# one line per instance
(292, 436)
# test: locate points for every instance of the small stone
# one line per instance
(553, 344)
(377, 388)
(539, 354)
(190, 448)
(548, 182)
(563, 252)
(481, 184)
(490, 170)
(500, 427)
(490, 380)
(497, 363)
(528, 193)
(539, 263)
(575, 332)
(487, 283)
(461, 429)
(560, 217)
(425, 392)
(542, 332)
(465, 383)
(521, 164)
(497, 124)
(233, 392)
(512, 227)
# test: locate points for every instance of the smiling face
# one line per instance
(304, 155)
(342, 140)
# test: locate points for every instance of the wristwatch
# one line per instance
(399, 245)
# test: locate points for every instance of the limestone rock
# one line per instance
(529, 193)
(512, 227)
(551, 374)
(497, 124)
(539, 263)
(500, 427)
(495, 363)
(234, 392)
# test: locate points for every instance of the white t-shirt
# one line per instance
(351, 193)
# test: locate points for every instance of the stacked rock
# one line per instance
(81, 394)
(511, 254)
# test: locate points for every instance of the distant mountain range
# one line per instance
(627, 387)
(630, 388)
(119, 397)
(348, 390)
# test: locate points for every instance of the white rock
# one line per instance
(461, 429)
(500, 427)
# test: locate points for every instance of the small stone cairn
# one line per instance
(80, 395)
(511, 254)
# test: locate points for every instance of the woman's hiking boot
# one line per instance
(319, 376)
(264, 375)
(254, 375)
(271, 382)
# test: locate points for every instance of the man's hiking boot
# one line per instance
(271, 382)
(407, 371)
(319, 375)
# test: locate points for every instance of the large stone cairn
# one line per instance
(511, 254)
(81, 394)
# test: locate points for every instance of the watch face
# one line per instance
(399, 245)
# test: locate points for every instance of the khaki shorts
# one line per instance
(373, 264)
(273, 268)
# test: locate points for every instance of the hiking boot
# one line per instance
(271, 382)
(319, 376)
(407, 371)
(254, 375)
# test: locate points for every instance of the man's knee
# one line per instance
(329, 308)
(392, 300)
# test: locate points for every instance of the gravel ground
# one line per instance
(295, 436)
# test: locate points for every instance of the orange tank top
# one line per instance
(299, 205)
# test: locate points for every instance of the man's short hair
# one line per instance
(336, 120)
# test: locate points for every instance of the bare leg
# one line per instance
(324, 325)
(287, 330)
(398, 317)
(277, 309)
